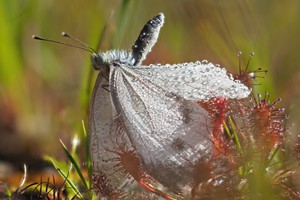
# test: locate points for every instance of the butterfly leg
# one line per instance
(105, 87)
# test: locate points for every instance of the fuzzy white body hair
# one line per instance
(110, 57)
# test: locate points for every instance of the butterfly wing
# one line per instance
(104, 142)
(170, 133)
(194, 81)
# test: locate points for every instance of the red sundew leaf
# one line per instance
(150, 188)
(259, 123)
(103, 186)
(219, 187)
(218, 112)
(246, 76)
(127, 161)
(270, 120)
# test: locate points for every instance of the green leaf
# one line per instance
(75, 164)
(88, 155)
(65, 175)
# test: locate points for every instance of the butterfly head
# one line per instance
(108, 58)
(97, 61)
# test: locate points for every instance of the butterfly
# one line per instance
(152, 111)
(146, 127)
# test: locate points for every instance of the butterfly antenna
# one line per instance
(62, 43)
(64, 34)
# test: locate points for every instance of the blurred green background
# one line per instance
(44, 88)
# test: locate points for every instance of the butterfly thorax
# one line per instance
(104, 59)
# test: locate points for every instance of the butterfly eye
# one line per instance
(115, 64)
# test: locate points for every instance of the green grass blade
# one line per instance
(88, 155)
(236, 138)
(8, 193)
(75, 164)
(65, 176)
(122, 23)
(273, 155)
(227, 130)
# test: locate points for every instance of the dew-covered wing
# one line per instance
(170, 133)
(194, 81)
(103, 141)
